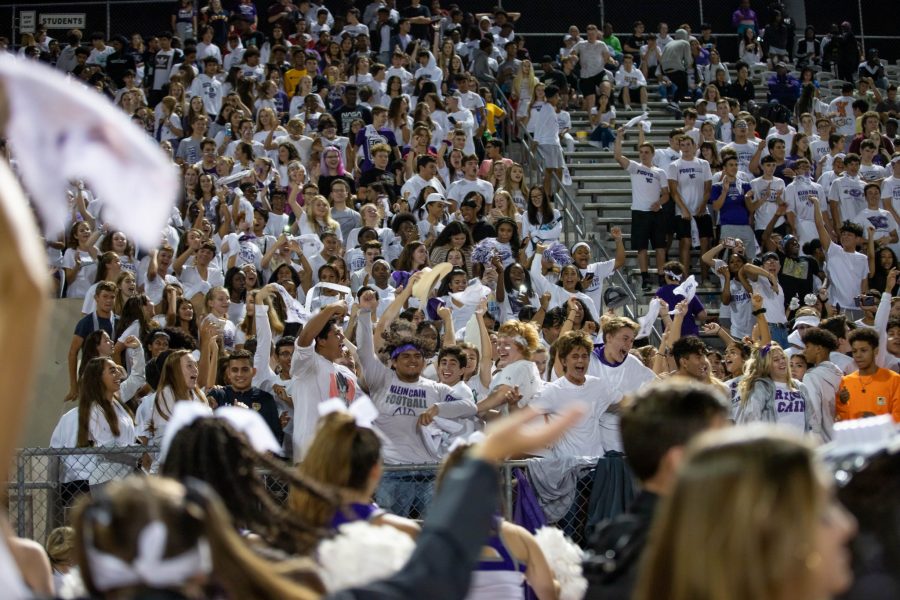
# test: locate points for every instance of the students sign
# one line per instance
(63, 20)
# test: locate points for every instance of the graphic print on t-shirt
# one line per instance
(406, 400)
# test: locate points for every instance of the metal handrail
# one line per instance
(574, 221)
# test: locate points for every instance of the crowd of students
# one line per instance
(356, 266)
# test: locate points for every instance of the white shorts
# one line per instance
(552, 155)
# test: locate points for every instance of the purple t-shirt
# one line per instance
(695, 307)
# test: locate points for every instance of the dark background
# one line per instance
(538, 16)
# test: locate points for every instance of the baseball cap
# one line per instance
(615, 297)
(787, 240)
(768, 256)
(435, 198)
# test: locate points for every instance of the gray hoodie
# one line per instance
(760, 406)
(677, 54)
(822, 383)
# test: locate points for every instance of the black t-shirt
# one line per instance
(376, 175)
(796, 276)
(418, 31)
(255, 399)
(481, 230)
(325, 182)
(116, 65)
(555, 77)
(636, 41)
(346, 114)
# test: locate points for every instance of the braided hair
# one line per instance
(212, 451)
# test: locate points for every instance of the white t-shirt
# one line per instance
(739, 311)
(882, 220)
(524, 374)
(646, 185)
(846, 271)
(634, 79)
(584, 438)
(601, 271)
(691, 177)
(315, 379)
(796, 195)
(543, 125)
(890, 190)
(869, 173)
(768, 189)
(773, 301)
(623, 378)
(663, 157)
(844, 121)
(789, 407)
(745, 154)
(85, 276)
(458, 190)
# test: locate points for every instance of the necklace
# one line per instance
(864, 384)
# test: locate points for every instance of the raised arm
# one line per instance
(617, 148)
(882, 316)
(824, 237)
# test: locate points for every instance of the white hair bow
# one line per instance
(363, 410)
(148, 567)
(244, 420)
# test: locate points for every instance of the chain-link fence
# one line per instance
(46, 483)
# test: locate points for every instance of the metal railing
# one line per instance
(47, 483)
(575, 224)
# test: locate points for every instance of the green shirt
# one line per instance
(613, 42)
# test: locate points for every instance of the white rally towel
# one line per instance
(79, 134)
(638, 119)
(649, 319)
(688, 289)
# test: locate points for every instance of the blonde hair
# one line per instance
(759, 366)
(511, 211)
(342, 454)
(531, 81)
(741, 520)
(60, 545)
(330, 224)
(525, 335)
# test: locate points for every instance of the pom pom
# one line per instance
(794, 304)
(809, 300)
(484, 251)
(564, 558)
(362, 553)
(558, 254)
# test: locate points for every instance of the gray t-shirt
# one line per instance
(348, 219)
(591, 57)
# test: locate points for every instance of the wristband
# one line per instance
(758, 312)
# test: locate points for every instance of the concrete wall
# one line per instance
(52, 381)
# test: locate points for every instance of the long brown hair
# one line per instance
(172, 378)
(90, 392)
(342, 454)
(760, 482)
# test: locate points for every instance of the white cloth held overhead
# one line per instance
(56, 121)
(638, 119)
(688, 289)
(473, 294)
